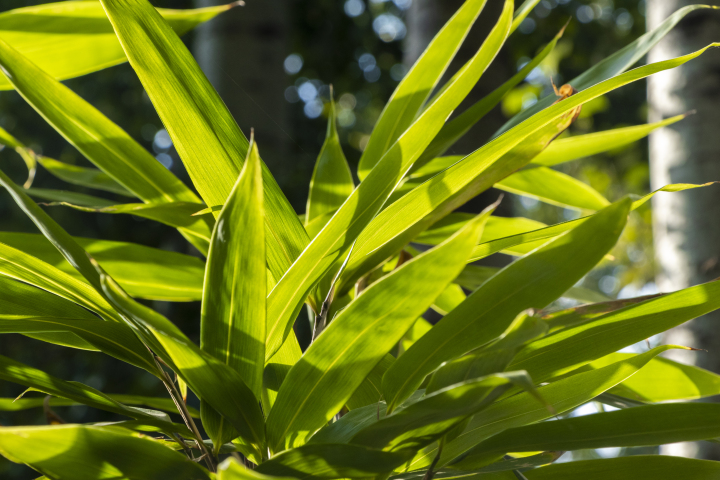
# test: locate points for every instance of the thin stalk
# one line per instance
(431, 471)
(182, 408)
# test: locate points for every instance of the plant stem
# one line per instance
(431, 471)
(182, 408)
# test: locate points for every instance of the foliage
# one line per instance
(379, 392)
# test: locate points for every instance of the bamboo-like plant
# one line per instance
(379, 392)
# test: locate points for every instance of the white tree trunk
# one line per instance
(687, 225)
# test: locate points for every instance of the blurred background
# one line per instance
(274, 62)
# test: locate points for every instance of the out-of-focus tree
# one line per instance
(687, 242)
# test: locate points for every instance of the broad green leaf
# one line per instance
(523, 408)
(398, 224)
(85, 177)
(575, 346)
(419, 328)
(435, 414)
(450, 298)
(553, 187)
(582, 313)
(533, 281)
(232, 469)
(277, 369)
(332, 181)
(16, 372)
(208, 140)
(345, 353)
(456, 128)
(414, 90)
(611, 66)
(534, 238)
(581, 146)
(663, 380)
(491, 359)
(84, 452)
(73, 198)
(636, 467)
(212, 381)
(168, 276)
(641, 426)
(331, 461)
(99, 139)
(232, 323)
(370, 392)
(336, 239)
(69, 39)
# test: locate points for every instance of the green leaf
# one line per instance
(208, 140)
(174, 214)
(27, 155)
(533, 239)
(434, 415)
(332, 180)
(369, 392)
(16, 372)
(553, 187)
(398, 224)
(331, 461)
(450, 298)
(73, 198)
(278, 368)
(575, 346)
(523, 408)
(567, 149)
(637, 467)
(232, 469)
(69, 39)
(85, 177)
(610, 66)
(414, 90)
(491, 359)
(582, 313)
(345, 353)
(641, 426)
(167, 276)
(531, 282)
(663, 380)
(84, 452)
(456, 128)
(419, 328)
(336, 239)
(99, 139)
(232, 324)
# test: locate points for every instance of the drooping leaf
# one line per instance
(66, 196)
(335, 365)
(232, 323)
(84, 452)
(336, 239)
(231, 469)
(85, 177)
(332, 180)
(531, 282)
(641, 426)
(573, 347)
(636, 467)
(524, 409)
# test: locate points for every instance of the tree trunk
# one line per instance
(242, 53)
(686, 227)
